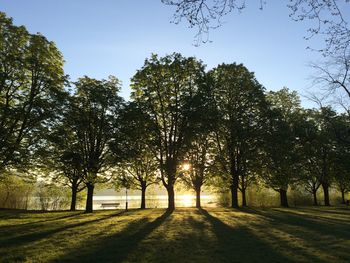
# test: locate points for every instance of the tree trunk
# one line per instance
(198, 197)
(244, 198)
(89, 199)
(283, 197)
(171, 197)
(325, 187)
(74, 198)
(342, 196)
(314, 194)
(143, 196)
(234, 195)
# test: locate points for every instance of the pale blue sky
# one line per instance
(113, 37)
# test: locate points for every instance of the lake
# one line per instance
(154, 201)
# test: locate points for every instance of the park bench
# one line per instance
(103, 205)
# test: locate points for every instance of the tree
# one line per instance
(342, 178)
(332, 78)
(195, 170)
(31, 86)
(166, 89)
(58, 154)
(325, 150)
(341, 168)
(92, 119)
(328, 16)
(71, 167)
(139, 165)
(308, 138)
(16, 191)
(281, 142)
(240, 102)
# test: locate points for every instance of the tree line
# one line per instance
(204, 127)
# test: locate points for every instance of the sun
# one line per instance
(186, 166)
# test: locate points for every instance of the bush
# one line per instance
(15, 192)
(299, 197)
(52, 197)
(224, 198)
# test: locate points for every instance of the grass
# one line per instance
(185, 235)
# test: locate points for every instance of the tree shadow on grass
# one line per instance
(239, 244)
(323, 217)
(19, 240)
(324, 240)
(38, 223)
(321, 209)
(116, 247)
(317, 225)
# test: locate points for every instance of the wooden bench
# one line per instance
(103, 205)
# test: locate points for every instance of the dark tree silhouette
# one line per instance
(93, 120)
(165, 88)
(240, 103)
(281, 142)
(134, 145)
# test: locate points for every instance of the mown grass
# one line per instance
(185, 235)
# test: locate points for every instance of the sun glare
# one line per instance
(187, 200)
(186, 166)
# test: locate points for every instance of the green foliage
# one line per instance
(341, 166)
(240, 102)
(52, 197)
(224, 198)
(92, 119)
(166, 89)
(281, 140)
(16, 192)
(138, 167)
(231, 132)
(31, 86)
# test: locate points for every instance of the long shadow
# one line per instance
(320, 216)
(239, 244)
(286, 218)
(31, 237)
(326, 238)
(117, 247)
(337, 210)
(308, 214)
(34, 224)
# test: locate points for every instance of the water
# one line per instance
(153, 201)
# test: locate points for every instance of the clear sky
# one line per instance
(113, 37)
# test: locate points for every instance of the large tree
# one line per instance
(308, 139)
(135, 148)
(93, 120)
(61, 159)
(196, 170)
(31, 85)
(324, 153)
(341, 167)
(166, 89)
(281, 142)
(240, 102)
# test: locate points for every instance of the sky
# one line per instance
(99, 38)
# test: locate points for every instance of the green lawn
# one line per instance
(186, 235)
